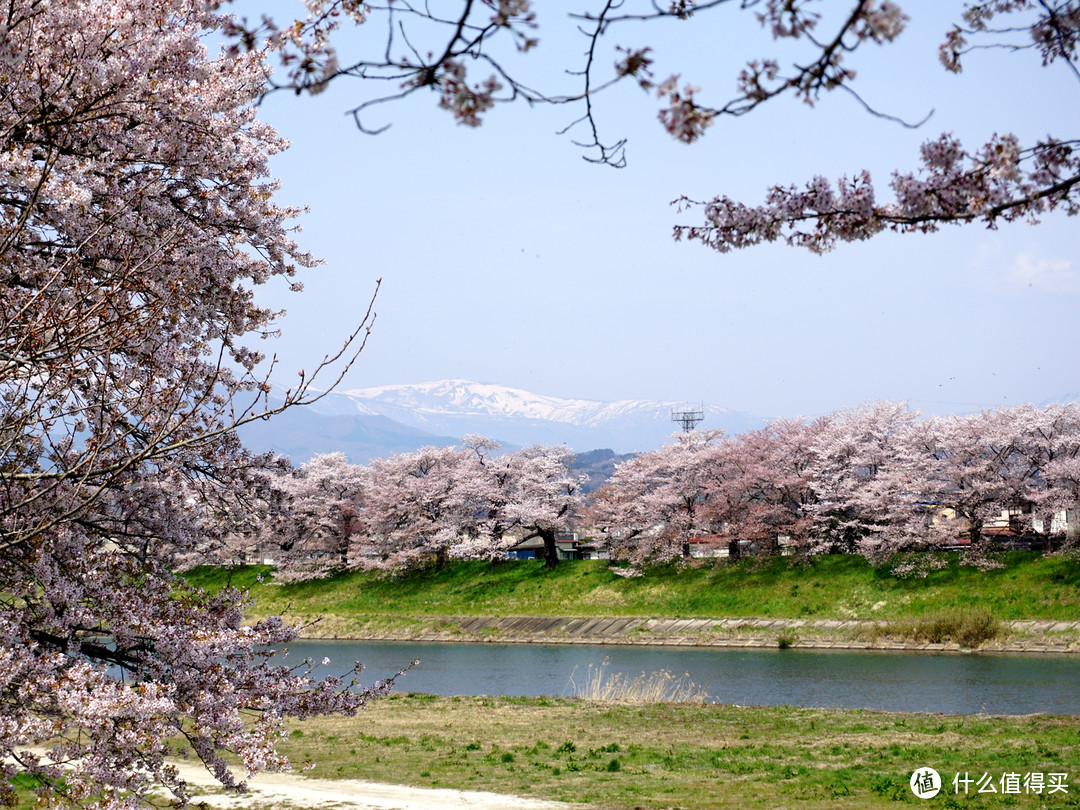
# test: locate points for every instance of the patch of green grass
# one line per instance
(20, 792)
(1027, 586)
(680, 755)
(213, 578)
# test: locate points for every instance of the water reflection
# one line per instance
(920, 682)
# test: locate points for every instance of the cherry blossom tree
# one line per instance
(1063, 475)
(543, 495)
(753, 487)
(136, 216)
(485, 486)
(313, 524)
(657, 502)
(413, 512)
(968, 467)
(766, 490)
(435, 504)
(982, 466)
(865, 501)
(1049, 440)
(438, 504)
(875, 480)
(424, 50)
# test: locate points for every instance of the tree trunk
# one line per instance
(975, 533)
(551, 551)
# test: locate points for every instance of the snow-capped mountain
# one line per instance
(515, 417)
(367, 423)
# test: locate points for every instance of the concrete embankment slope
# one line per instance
(845, 634)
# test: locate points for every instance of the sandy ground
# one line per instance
(288, 790)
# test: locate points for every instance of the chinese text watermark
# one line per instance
(927, 783)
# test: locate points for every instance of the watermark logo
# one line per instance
(925, 783)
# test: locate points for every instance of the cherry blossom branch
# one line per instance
(1001, 182)
(471, 35)
(1054, 32)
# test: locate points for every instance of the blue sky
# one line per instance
(506, 258)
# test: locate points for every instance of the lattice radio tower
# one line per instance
(688, 417)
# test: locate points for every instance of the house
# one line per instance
(531, 549)
(568, 544)
(1013, 527)
(719, 546)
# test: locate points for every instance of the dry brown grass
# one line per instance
(969, 629)
(657, 687)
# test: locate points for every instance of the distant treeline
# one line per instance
(873, 481)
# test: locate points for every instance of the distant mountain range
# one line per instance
(368, 423)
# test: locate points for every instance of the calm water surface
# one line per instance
(910, 682)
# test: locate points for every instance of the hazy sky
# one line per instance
(506, 258)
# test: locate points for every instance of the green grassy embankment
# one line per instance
(1027, 586)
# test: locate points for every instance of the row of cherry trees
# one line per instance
(413, 508)
(873, 480)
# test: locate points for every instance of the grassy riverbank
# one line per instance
(688, 756)
(1028, 586)
(685, 755)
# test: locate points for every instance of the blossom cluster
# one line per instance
(464, 102)
(303, 47)
(636, 63)
(682, 118)
(508, 11)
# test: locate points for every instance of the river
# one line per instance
(968, 683)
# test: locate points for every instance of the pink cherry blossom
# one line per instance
(137, 213)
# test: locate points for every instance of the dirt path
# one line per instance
(288, 790)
